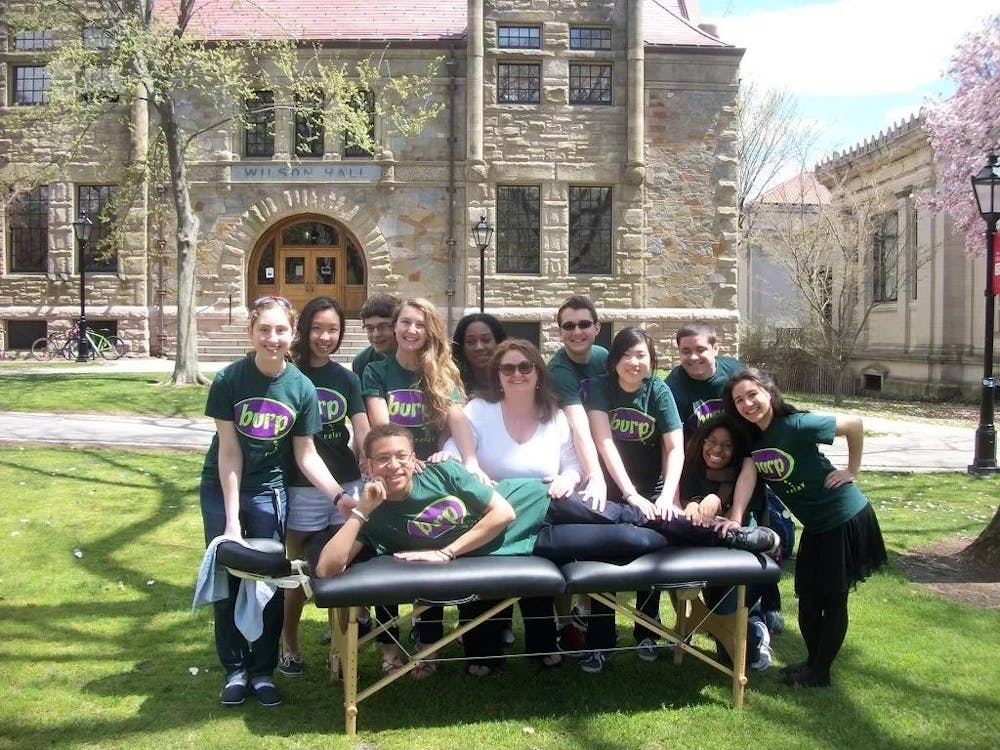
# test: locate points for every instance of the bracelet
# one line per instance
(357, 512)
(447, 553)
(336, 498)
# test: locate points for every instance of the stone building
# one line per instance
(596, 135)
(924, 334)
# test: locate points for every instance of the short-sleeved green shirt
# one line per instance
(638, 422)
(787, 458)
(573, 379)
(266, 412)
(444, 502)
(363, 358)
(697, 400)
(338, 392)
(389, 380)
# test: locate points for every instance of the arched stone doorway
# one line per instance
(306, 256)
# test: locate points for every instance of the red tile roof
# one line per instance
(665, 21)
(801, 189)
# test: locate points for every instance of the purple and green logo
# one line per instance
(705, 409)
(263, 418)
(772, 464)
(631, 425)
(406, 408)
(438, 518)
(332, 405)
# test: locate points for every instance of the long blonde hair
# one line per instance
(439, 377)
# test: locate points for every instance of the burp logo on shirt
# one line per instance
(332, 405)
(772, 464)
(406, 408)
(631, 425)
(438, 518)
(705, 409)
(263, 418)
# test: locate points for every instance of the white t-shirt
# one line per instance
(547, 453)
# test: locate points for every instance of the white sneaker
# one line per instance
(763, 660)
(647, 650)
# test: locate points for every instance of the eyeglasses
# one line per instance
(384, 459)
(378, 327)
(583, 325)
(524, 367)
(271, 299)
(723, 447)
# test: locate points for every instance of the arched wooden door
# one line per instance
(308, 256)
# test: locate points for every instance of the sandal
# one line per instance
(549, 661)
(478, 670)
(423, 670)
(391, 664)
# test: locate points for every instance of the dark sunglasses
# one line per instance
(524, 367)
(269, 299)
(583, 325)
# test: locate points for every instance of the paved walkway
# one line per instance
(890, 445)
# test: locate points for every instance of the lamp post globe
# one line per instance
(482, 233)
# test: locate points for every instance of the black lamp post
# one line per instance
(82, 228)
(482, 233)
(986, 186)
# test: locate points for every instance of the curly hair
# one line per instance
(546, 398)
(458, 340)
(300, 347)
(439, 377)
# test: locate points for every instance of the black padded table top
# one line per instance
(670, 567)
(386, 580)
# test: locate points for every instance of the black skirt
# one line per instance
(835, 561)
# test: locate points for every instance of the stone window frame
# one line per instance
(596, 38)
(39, 94)
(97, 200)
(531, 72)
(517, 230)
(259, 124)
(590, 83)
(591, 209)
(31, 40)
(98, 83)
(28, 222)
(885, 259)
(527, 36)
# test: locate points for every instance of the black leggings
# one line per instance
(823, 621)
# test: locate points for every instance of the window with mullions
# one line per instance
(101, 252)
(365, 105)
(94, 37)
(517, 229)
(519, 37)
(581, 37)
(32, 39)
(589, 84)
(258, 130)
(99, 83)
(31, 85)
(590, 230)
(309, 130)
(519, 83)
(28, 231)
(885, 259)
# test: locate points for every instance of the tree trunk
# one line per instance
(186, 361)
(986, 549)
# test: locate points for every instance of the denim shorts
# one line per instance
(311, 510)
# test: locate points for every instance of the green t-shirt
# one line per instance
(338, 392)
(363, 358)
(267, 412)
(697, 400)
(638, 422)
(445, 501)
(572, 379)
(787, 458)
(389, 380)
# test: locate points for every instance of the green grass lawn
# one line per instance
(98, 647)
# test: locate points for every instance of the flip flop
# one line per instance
(391, 664)
(423, 670)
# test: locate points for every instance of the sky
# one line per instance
(855, 66)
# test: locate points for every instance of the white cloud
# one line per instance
(852, 47)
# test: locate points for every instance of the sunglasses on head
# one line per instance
(269, 299)
(524, 367)
(583, 325)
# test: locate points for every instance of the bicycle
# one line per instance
(68, 345)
